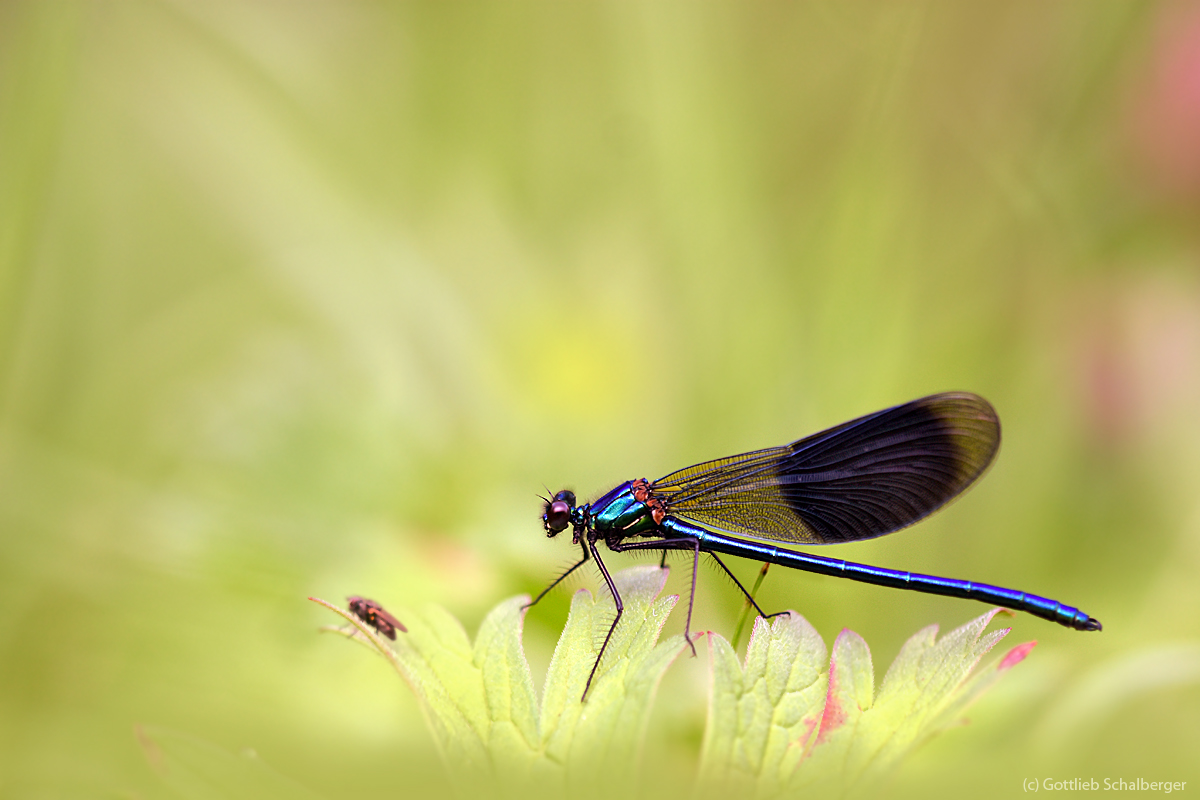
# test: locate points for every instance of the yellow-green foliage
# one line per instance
(312, 298)
(786, 722)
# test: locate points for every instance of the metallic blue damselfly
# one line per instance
(865, 478)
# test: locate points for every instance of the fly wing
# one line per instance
(391, 622)
(864, 478)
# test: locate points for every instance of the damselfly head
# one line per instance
(557, 514)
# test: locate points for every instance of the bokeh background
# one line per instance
(314, 298)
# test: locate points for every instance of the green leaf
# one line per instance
(786, 723)
(483, 711)
(792, 719)
(760, 718)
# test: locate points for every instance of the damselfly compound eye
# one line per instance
(557, 516)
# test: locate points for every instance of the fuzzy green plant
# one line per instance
(788, 720)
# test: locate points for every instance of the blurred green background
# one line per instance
(314, 298)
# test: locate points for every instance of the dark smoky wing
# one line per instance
(374, 615)
(861, 479)
(385, 617)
